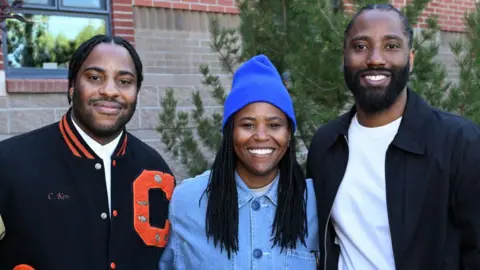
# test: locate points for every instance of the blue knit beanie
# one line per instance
(257, 80)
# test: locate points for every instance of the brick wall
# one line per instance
(450, 12)
(172, 39)
(173, 43)
(222, 6)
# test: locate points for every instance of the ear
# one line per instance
(70, 93)
(411, 57)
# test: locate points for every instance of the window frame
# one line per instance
(55, 8)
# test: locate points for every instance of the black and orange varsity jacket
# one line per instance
(54, 204)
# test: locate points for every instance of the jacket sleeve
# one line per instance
(310, 159)
(3, 197)
(467, 205)
(167, 261)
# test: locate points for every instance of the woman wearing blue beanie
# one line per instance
(253, 209)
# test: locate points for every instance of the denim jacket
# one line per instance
(188, 247)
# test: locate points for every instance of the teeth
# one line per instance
(261, 151)
(375, 77)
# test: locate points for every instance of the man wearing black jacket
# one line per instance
(83, 193)
(397, 182)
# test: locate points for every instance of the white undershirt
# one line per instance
(359, 213)
(104, 152)
(260, 191)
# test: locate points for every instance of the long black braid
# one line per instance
(86, 47)
(384, 7)
(290, 223)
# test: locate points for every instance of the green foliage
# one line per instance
(465, 96)
(182, 139)
(304, 39)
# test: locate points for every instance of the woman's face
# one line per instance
(261, 136)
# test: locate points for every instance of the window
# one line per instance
(43, 46)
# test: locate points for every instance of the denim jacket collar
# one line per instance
(245, 194)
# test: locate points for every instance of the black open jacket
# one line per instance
(432, 173)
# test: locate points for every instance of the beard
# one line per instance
(372, 100)
(84, 114)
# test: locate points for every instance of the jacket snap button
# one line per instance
(98, 166)
(257, 253)
(255, 205)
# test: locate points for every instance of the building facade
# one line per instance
(171, 37)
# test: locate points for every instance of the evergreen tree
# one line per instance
(465, 97)
(8, 12)
(304, 39)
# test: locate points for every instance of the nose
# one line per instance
(261, 134)
(110, 89)
(375, 58)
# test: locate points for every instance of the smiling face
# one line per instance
(377, 59)
(261, 136)
(104, 95)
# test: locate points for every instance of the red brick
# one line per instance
(127, 32)
(225, 2)
(162, 4)
(191, 1)
(123, 8)
(122, 16)
(42, 86)
(198, 7)
(129, 2)
(232, 10)
(128, 24)
(181, 5)
(208, 1)
(215, 9)
(143, 3)
(27, 85)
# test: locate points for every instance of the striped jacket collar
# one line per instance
(78, 146)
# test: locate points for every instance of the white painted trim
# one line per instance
(3, 85)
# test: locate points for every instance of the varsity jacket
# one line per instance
(53, 201)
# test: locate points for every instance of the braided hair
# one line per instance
(290, 223)
(83, 51)
(384, 7)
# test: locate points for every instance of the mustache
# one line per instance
(392, 72)
(97, 100)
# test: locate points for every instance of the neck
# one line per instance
(385, 117)
(256, 181)
(103, 140)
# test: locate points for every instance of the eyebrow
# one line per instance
(101, 70)
(271, 118)
(389, 36)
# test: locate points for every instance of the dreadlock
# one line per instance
(384, 7)
(290, 223)
(86, 47)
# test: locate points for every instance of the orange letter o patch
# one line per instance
(147, 180)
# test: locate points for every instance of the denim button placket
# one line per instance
(255, 205)
(257, 253)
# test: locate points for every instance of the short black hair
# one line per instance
(385, 7)
(290, 223)
(86, 47)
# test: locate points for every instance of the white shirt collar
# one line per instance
(102, 151)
